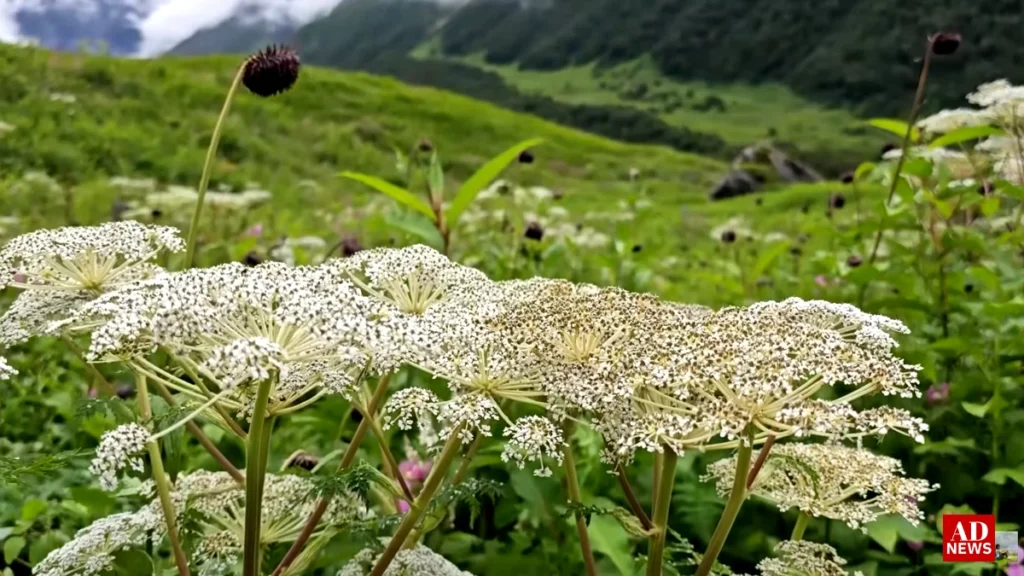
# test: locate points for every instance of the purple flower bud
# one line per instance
(403, 507)
(254, 231)
(915, 546)
(937, 394)
(820, 280)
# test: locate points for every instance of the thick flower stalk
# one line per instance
(838, 482)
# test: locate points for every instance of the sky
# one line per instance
(168, 22)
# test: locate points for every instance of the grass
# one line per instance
(750, 113)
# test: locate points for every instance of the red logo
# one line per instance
(968, 538)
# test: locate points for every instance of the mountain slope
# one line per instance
(234, 36)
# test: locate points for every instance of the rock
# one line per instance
(755, 164)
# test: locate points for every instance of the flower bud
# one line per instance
(854, 261)
(271, 71)
(945, 43)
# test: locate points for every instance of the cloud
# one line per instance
(172, 21)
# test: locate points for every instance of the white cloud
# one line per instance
(175, 20)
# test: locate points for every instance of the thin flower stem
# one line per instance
(762, 457)
(663, 499)
(572, 483)
(634, 504)
(346, 461)
(258, 445)
(202, 438)
(460, 474)
(228, 420)
(389, 458)
(732, 509)
(188, 418)
(204, 180)
(101, 381)
(417, 508)
(801, 525)
(160, 479)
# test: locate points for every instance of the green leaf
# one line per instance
(610, 539)
(483, 177)
(12, 547)
(894, 126)
(951, 509)
(31, 509)
(767, 257)
(965, 134)
(949, 446)
(1001, 475)
(417, 226)
(436, 177)
(132, 563)
(400, 195)
(989, 206)
(885, 532)
(864, 169)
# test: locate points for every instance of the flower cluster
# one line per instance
(119, 449)
(801, 558)
(838, 482)
(534, 439)
(92, 549)
(6, 370)
(418, 561)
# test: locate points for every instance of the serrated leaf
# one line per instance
(894, 126)
(965, 134)
(483, 177)
(1001, 475)
(400, 195)
(12, 547)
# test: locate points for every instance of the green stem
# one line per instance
(160, 478)
(257, 446)
(417, 508)
(732, 509)
(662, 500)
(801, 525)
(389, 458)
(634, 504)
(572, 482)
(204, 180)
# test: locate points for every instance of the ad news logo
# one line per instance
(968, 538)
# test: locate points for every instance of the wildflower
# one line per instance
(846, 484)
(414, 470)
(92, 550)
(820, 280)
(271, 71)
(534, 439)
(937, 394)
(418, 561)
(915, 545)
(350, 245)
(425, 146)
(118, 449)
(301, 459)
(93, 259)
(968, 288)
(948, 120)
(526, 157)
(125, 391)
(888, 147)
(944, 43)
(837, 201)
(6, 370)
(728, 236)
(854, 261)
(254, 231)
(634, 173)
(847, 177)
(534, 231)
(986, 189)
(802, 558)
(637, 248)
(252, 258)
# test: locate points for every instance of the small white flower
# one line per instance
(92, 549)
(6, 370)
(532, 439)
(803, 558)
(418, 561)
(118, 449)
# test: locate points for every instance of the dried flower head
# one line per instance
(418, 561)
(534, 439)
(271, 71)
(119, 449)
(91, 258)
(846, 484)
(945, 43)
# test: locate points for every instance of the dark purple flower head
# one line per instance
(937, 394)
(526, 157)
(854, 261)
(534, 231)
(945, 43)
(728, 236)
(271, 71)
(847, 177)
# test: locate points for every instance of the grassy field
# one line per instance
(740, 114)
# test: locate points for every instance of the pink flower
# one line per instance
(93, 392)
(937, 394)
(403, 507)
(915, 546)
(1017, 568)
(254, 231)
(820, 280)
(414, 471)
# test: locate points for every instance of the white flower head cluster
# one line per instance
(851, 485)
(534, 439)
(6, 370)
(249, 360)
(418, 561)
(802, 558)
(92, 549)
(119, 449)
(85, 258)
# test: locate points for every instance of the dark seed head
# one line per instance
(302, 459)
(526, 157)
(425, 146)
(968, 288)
(796, 251)
(945, 43)
(350, 245)
(156, 214)
(728, 236)
(637, 248)
(124, 391)
(252, 259)
(854, 261)
(847, 178)
(837, 201)
(986, 189)
(534, 231)
(271, 71)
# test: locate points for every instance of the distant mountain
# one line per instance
(235, 36)
(66, 24)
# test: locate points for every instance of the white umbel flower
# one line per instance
(418, 561)
(534, 439)
(6, 370)
(119, 449)
(92, 549)
(846, 484)
(802, 558)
